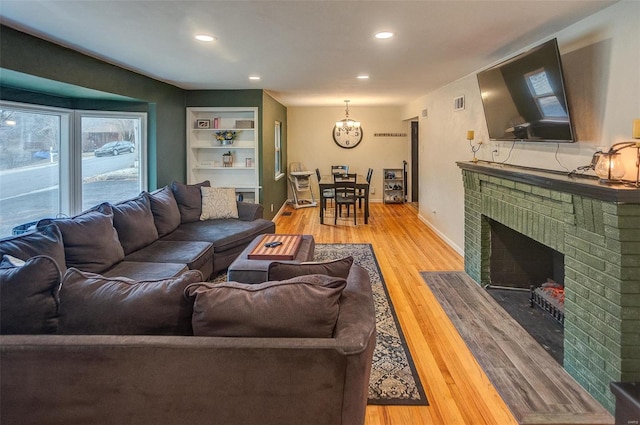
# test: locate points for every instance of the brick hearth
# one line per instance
(597, 228)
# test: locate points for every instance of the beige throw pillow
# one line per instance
(218, 202)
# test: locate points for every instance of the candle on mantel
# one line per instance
(635, 133)
(470, 133)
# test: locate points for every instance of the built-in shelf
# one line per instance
(205, 154)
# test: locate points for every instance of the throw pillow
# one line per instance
(91, 304)
(133, 220)
(29, 295)
(90, 241)
(45, 240)
(302, 307)
(189, 199)
(218, 202)
(335, 268)
(164, 207)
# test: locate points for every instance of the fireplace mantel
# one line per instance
(576, 184)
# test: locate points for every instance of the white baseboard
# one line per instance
(442, 236)
(281, 210)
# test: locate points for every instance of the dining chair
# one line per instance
(345, 194)
(326, 193)
(339, 169)
(361, 192)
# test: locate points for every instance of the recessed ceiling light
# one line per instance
(254, 77)
(383, 35)
(205, 37)
(362, 77)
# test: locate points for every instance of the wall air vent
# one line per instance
(458, 103)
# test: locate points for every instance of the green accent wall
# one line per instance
(57, 76)
(273, 192)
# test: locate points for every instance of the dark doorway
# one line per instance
(414, 161)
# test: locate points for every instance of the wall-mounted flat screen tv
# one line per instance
(524, 98)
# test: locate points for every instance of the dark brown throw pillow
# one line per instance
(29, 295)
(90, 241)
(91, 304)
(133, 220)
(166, 213)
(302, 307)
(335, 268)
(45, 240)
(189, 199)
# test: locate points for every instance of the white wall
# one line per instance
(310, 140)
(601, 59)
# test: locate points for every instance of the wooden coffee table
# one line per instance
(252, 265)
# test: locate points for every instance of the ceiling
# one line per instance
(307, 52)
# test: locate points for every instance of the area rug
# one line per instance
(394, 379)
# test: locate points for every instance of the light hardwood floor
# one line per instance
(458, 390)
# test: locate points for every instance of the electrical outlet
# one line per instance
(373, 190)
(271, 207)
(496, 150)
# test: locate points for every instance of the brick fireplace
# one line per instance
(597, 229)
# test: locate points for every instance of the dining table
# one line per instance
(326, 182)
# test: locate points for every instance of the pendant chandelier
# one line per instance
(347, 124)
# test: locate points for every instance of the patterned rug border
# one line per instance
(422, 401)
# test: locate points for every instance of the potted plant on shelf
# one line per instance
(227, 159)
(226, 137)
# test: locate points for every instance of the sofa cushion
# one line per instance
(195, 254)
(142, 270)
(90, 241)
(218, 202)
(29, 295)
(45, 240)
(305, 307)
(166, 213)
(91, 304)
(224, 233)
(335, 268)
(134, 222)
(189, 199)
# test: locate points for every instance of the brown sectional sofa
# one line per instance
(142, 379)
(81, 344)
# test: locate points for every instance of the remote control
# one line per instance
(273, 244)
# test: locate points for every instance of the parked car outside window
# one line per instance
(115, 148)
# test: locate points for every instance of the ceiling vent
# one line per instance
(458, 103)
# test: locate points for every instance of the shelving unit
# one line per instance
(205, 153)
(393, 185)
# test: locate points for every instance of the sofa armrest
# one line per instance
(356, 333)
(165, 380)
(248, 211)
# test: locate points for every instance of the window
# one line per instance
(278, 159)
(49, 167)
(548, 103)
(112, 156)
